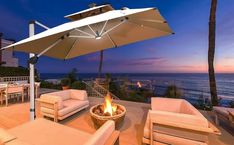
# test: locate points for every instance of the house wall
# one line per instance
(0, 47)
(7, 57)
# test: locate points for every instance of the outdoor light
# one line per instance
(33, 60)
(98, 37)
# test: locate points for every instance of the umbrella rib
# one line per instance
(113, 42)
(150, 20)
(76, 36)
(84, 32)
(92, 30)
(114, 27)
(71, 48)
(103, 27)
(51, 46)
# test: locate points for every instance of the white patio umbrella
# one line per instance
(112, 28)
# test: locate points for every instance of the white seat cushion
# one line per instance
(71, 105)
(79, 94)
(222, 110)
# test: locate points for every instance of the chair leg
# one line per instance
(6, 100)
(22, 94)
(1, 97)
(151, 133)
(18, 97)
(55, 119)
(216, 119)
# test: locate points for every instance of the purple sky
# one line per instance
(186, 51)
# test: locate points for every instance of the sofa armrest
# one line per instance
(51, 97)
(113, 139)
(50, 104)
(155, 119)
(179, 118)
(184, 126)
(102, 135)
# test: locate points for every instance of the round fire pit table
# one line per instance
(100, 119)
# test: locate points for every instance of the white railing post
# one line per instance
(32, 75)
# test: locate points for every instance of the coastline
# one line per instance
(187, 81)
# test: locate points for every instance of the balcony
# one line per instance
(131, 131)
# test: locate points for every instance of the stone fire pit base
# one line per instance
(99, 120)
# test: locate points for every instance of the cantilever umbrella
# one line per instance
(94, 33)
(93, 30)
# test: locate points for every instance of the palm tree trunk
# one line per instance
(211, 53)
(0, 50)
(100, 64)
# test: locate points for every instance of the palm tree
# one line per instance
(211, 52)
(100, 64)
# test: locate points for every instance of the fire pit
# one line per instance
(100, 113)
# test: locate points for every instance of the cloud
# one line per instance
(146, 61)
(189, 66)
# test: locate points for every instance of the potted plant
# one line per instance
(65, 83)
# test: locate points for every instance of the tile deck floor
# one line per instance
(131, 131)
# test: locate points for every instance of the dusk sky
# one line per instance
(186, 51)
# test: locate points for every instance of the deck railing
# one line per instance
(14, 78)
(95, 90)
(104, 91)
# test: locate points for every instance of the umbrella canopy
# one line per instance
(107, 30)
(89, 12)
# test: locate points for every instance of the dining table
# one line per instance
(26, 89)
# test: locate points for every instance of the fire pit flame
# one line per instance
(108, 107)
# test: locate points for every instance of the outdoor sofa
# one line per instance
(45, 132)
(224, 113)
(62, 104)
(177, 122)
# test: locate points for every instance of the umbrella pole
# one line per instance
(32, 76)
(32, 70)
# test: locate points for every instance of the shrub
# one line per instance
(78, 85)
(116, 90)
(49, 85)
(65, 82)
(72, 75)
(13, 71)
(232, 104)
(173, 92)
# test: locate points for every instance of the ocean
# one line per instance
(191, 83)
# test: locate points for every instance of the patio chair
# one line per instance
(14, 89)
(27, 89)
(45, 132)
(2, 90)
(1, 95)
(62, 104)
(177, 122)
(224, 113)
